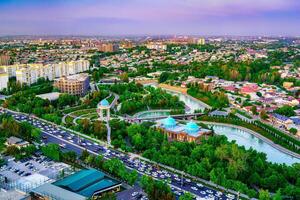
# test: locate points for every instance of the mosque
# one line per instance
(189, 132)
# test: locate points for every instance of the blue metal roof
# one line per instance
(296, 120)
(101, 185)
(280, 117)
(169, 122)
(86, 182)
(104, 102)
(191, 127)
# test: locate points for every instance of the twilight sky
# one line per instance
(119, 17)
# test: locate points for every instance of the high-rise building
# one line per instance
(30, 73)
(4, 59)
(77, 84)
(157, 46)
(108, 47)
(201, 41)
(3, 80)
(27, 75)
(126, 44)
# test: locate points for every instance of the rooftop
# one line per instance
(191, 128)
(52, 96)
(86, 182)
(76, 77)
(280, 117)
(54, 191)
(104, 102)
(169, 122)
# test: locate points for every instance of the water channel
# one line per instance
(242, 137)
(245, 138)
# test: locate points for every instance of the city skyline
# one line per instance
(132, 17)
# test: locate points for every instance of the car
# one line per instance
(230, 196)
(199, 185)
(209, 191)
(202, 192)
(144, 198)
(194, 188)
(134, 194)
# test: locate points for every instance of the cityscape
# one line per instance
(149, 100)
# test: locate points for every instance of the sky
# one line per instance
(151, 17)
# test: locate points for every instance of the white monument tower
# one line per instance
(101, 107)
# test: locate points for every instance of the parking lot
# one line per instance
(15, 170)
(68, 141)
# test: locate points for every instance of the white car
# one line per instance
(230, 196)
(134, 194)
(209, 191)
(199, 185)
(194, 188)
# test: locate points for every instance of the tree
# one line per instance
(108, 196)
(67, 99)
(186, 196)
(36, 134)
(293, 131)
(264, 195)
(132, 177)
(163, 77)
(85, 125)
(52, 151)
(254, 110)
(84, 155)
(277, 195)
(124, 77)
(99, 129)
(156, 190)
(70, 157)
(286, 111)
(263, 115)
(12, 150)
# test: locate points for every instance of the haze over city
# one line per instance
(150, 99)
(121, 17)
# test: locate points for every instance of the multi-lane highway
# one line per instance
(69, 141)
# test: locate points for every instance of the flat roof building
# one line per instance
(87, 183)
(75, 85)
(52, 96)
(15, 141)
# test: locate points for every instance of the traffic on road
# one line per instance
(71, 142)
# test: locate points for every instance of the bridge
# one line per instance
(154, 118)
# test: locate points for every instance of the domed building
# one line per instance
(103, 105)
(169, 122)
(192, 128)
(190, 132)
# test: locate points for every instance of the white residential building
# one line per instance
(3, 80)
(30, 73)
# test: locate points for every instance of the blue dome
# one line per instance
(104, 102)
(191, 127)
(169, 122)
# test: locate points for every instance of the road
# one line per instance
(70, 142)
